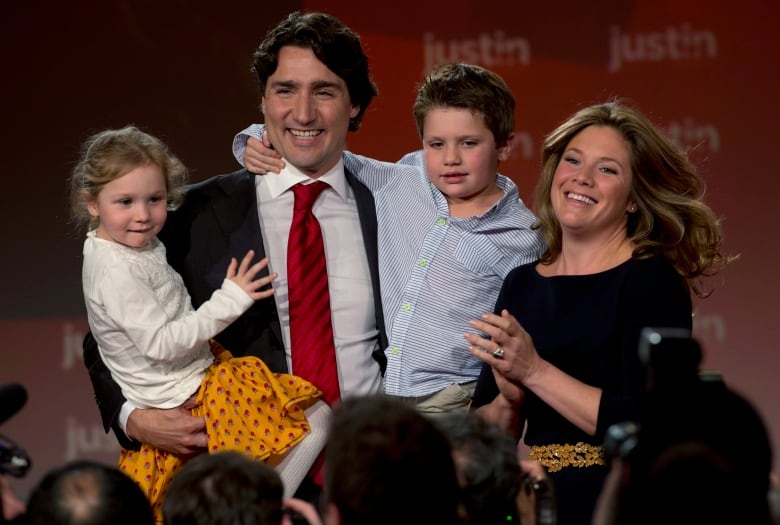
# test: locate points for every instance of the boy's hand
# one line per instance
(244, 276)
(260, 156)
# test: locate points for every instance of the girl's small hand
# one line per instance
(260, 157)
(245, 273)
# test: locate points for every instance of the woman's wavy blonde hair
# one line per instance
(672, 218)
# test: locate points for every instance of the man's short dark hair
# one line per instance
(333, 43)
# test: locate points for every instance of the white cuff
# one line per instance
(124, 415)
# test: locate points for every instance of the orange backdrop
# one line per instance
(705, 71)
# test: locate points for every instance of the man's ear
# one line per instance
(353, 112)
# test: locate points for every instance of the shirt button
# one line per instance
(406, 307)
(422, 263)
(442, 222)
(395, 351)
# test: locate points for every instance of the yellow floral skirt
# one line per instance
(247, 408)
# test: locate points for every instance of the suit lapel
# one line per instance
(237, 217)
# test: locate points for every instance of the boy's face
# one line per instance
(461, 156)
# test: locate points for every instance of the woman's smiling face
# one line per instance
(592, 183)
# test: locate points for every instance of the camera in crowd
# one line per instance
(544, 494)
(700, 451)
(14, 460)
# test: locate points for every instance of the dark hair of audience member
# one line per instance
(85, 492)
(224, 488)
(386, 464)
(488, 468)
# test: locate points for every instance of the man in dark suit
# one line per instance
(315, 87)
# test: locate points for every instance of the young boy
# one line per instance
(449, 227)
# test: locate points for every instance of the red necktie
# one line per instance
(311, 331)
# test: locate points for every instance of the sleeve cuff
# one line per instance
(124, 415)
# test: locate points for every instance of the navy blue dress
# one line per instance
(588, 326)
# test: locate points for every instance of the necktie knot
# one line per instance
(306, 194)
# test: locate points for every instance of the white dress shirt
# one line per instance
(349, 279)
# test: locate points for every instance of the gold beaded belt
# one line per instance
(554, 456)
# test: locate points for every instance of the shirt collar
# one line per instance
(290, 176)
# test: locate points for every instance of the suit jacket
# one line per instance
(218, 220)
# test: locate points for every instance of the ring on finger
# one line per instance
(498, 352)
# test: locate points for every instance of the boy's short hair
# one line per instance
(471, 87)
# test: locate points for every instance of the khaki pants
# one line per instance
(453, 398)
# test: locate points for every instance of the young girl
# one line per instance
(157, 347)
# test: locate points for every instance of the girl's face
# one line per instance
(132, 208)
(592, 184)
(461, 156)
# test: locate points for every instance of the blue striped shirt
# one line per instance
(436, 272)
